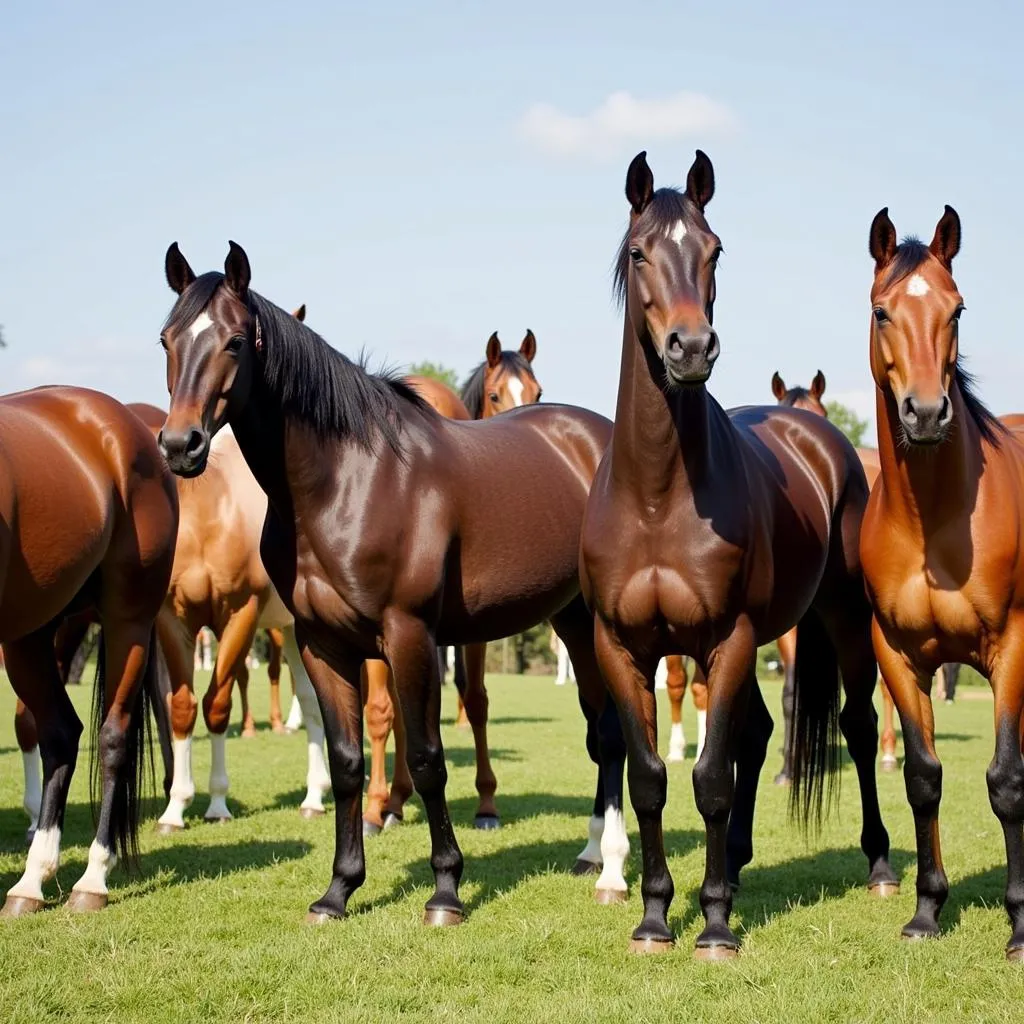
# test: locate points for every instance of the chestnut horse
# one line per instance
(942, 545)
(691, 518)
(675, 683)
(474, 534)
(90, 518)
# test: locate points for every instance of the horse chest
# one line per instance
(927, 607)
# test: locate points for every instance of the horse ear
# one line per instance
(179, 273)
(639, 183)
(946, 243)
(300, 313)
(778, 386)
(528, 349)
(236, 270)
(882, 240)
(493, 350)
(818, 386)
(700, 182)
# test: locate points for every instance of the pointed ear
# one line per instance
(528, 349)
(946, 243)
(639, 183)
(700, 182)
(179, 273)
(300, 313)
(882, 240)
(236, 270)
(818, 386)
(493, 350)
(778, 386)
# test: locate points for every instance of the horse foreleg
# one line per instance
(675, 683)
(178, 647)
(275, 642)
(380, 715)
(477, 703)
(401, 781)
(28, 741)
(787, 655)
(459, 674)
(317, 779)
(889, 759)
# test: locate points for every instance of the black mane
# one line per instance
(910, 254)
(667, 207)
(315, 384)
(794, 395)
(473, 390)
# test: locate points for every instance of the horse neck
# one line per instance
(259, 429)
(648, 453)
(926, 485)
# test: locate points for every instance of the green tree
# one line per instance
(445, 374)
(847, 421)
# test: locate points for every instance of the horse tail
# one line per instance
(137, 742)
(815, 720)
(159, 683)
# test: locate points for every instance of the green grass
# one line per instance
(212, 928)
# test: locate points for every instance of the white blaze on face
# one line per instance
(515, 389)
(200, 324)
(677, 232)
(917, 286)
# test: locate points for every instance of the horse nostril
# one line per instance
(675, 344)
(160, 441)
(909, 410)
(196, 442)
(712, 348)
(945, 411)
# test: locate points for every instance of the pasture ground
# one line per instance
(212, 929)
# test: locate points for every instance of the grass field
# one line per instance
(212, 929)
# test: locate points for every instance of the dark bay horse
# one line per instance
(691, 517)
(943, 545)
(90, 516)
(474, 533)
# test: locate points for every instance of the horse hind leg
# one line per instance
(476, 704)
(318, 781)
(32, 668)
(275, 643)
(28, 742)
(675, 683)
(380, 716)
(787, 655)
(889, 762)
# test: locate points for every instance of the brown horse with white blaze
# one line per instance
(691, 517)
(90, 516)
(475, 531)
(943, 545)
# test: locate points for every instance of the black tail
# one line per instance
(138, 743)
(815, 720)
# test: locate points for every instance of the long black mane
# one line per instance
(316, 384)
(910, 254)
(514, 363)
(667, 207)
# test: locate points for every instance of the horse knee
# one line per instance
(217, 709)
(648, 786)
(713, 789)
(347, 768)
(184, 707)
(924, 783)
(427, 768)
(1005, 778)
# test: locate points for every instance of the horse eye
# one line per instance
(636, 255)
(234, 345)
(879, 314)
(716, 256)
(163, 342)
(956, 313)
(493, 396)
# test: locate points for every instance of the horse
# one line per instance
(218, 582)
(675, 683)
(474, 535)
(810, 399)
(90, 517)
(691, 517)
(941, 545)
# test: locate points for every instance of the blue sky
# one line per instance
(424, 174)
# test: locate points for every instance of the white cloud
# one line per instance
(623, 119)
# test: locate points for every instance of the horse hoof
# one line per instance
(21, 906)
(487, 822)
(371, 828)
(86, 902)
(168, 828)
(715, 953)
(647, 947)
(248, 734)
(782, 779)
(278, 729)
(440, 917)
(586, 867)
(883, 890)
(1015, 954)
(889, 763)
(309, 813)
(318, 917)
(218, 819)
(391, 820)
(609, 897)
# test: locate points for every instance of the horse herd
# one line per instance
(376, 519)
